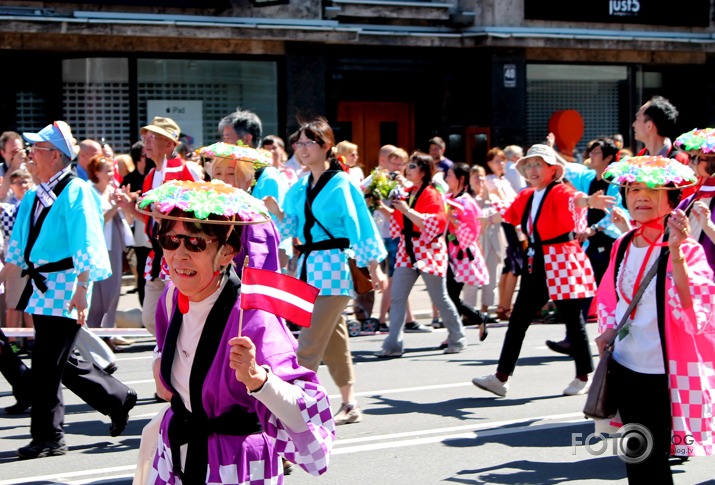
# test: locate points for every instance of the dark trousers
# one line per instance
(141, 254)
(454, 290)
(533, 295)
(53, 365)
(644, 399)
(14, 370)
(54, 340)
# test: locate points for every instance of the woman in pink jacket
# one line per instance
(663, 372)
(466, 263)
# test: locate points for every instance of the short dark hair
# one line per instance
(663, 114)
(608, 147)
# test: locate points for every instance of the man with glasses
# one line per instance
(160, 139)
(58, 243)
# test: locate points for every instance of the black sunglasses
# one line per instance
(191, 243)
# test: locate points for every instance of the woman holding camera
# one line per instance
(420, 222)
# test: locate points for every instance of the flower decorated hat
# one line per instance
(697, 140)
(655, 172)
(209, 202)
(242, 153)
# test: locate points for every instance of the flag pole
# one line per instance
(240, 313)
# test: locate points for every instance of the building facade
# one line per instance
(476, 73)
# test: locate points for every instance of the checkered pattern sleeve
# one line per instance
(14, 250)
(8, 212)
(13, 254)
(367, 242)
(310, 449)
(434, 225)
(288, 227)
(579, 214)
(606, 299)
(700, 317)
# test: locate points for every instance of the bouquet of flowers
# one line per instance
(383, 186)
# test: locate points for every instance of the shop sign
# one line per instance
(686, 13)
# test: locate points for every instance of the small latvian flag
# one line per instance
(706, 190)
(279, 294)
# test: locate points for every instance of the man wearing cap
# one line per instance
(160, 138)
(549, 213)
(60, 246)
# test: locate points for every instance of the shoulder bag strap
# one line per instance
(644, 284)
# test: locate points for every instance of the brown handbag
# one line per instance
(600, 402)
(361, 278)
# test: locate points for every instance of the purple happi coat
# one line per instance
(254, 459)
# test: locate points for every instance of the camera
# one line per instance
(393, 175)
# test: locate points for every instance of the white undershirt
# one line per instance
(187, 342)
(535, 204)
(640, 350)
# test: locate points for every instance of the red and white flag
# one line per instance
(278, 294)
(706, 190)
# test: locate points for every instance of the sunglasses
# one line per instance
(412, 165)
(193, 244)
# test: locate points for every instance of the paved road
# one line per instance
(424, 422)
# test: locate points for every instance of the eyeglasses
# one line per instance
(305, 144)
(193, 244)
(411, 165)
(35, 147)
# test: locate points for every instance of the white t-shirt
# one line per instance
(640, 350)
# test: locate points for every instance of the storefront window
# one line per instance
(197, 94)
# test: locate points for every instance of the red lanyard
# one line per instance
(651, 246)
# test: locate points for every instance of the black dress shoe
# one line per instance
(20, 407)
(42, 449)
(120, 419)
(562, 347)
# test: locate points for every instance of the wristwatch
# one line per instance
(595, 228)
(83, 284)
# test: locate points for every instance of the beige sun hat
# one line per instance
(164, 127)
(547, 154)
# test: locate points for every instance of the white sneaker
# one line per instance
(492, 384)
(577, 387)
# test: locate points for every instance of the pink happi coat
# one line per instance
(690, 347)
(465, 255)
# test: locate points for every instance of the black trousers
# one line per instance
(53, 365)
(454, 290)
(533, 295)
(644, 399)
(14, 370)
(141, 254)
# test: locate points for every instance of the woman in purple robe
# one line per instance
(239, 399)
